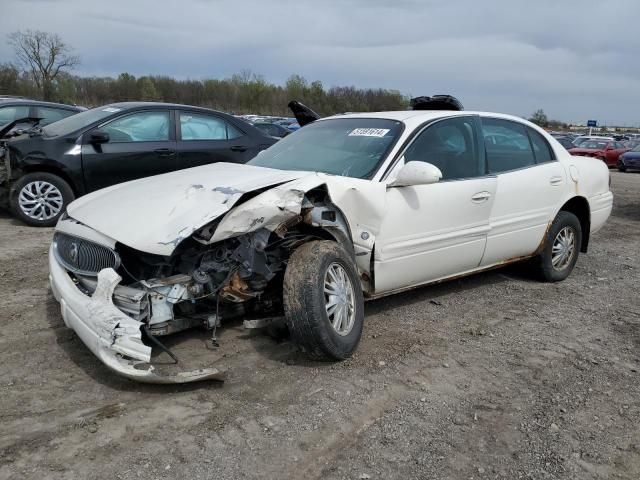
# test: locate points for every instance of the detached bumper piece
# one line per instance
(115, 338)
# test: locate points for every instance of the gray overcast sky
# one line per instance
(576, 59)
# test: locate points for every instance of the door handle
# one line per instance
(165, 152)
(238, 148)
(556, 180)
(481, 197)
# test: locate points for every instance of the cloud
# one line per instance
(576, 61)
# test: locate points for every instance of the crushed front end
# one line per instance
(122, 301)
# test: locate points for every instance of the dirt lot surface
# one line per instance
(492, 376)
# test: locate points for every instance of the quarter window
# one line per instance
(507, 145)
(450, 145)
(139, 127)
(206, 127)
(541, 148)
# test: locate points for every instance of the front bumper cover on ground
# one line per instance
(112, 336)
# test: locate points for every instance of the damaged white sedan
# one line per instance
(349, 208)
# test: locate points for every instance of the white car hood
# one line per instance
(155, 214)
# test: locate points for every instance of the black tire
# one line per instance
(543, 263)
(305, 303)
(622, 168)
(62, 187)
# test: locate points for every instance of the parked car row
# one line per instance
(613, 151)
(275, 126)
(607, 150)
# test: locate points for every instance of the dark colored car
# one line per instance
(606, 150)
(272, 129)
(49, 167)
(12, 109)
(566, 142)
(629, 160)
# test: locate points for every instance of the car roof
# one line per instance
(413, 117)
(124, 105)
(37, 103)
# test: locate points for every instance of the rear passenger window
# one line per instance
(51, 115)
(541, 148)
(194, 126)
(507, 145)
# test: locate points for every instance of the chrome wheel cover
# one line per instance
(339, 299)
(563, 249)
(40, 200)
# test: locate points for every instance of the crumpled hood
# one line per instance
(155, 214)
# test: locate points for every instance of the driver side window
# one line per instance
(139, 127)
(452, 146)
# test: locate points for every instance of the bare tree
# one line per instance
(44, 55)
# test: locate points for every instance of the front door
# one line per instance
(435, 231)
(140, 144)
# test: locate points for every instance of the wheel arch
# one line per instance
(579, 206)
(44, 168)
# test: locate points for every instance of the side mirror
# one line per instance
(417, 173)
(98, 137)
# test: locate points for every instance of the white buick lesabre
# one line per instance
(349, 208)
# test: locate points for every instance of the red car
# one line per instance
(605, 150)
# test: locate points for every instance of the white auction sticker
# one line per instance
(369, 132)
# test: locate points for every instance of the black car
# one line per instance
(566, 142)
(12, 109)
(49, 167)
(272, 129)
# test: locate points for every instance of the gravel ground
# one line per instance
(491, 376)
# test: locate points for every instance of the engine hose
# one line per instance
(153, 339)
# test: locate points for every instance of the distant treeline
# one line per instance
(240, 94)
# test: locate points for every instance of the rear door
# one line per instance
(205, 138)
(140, 144)
(531, 184)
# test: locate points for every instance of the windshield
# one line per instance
(75, 122)
(593, 145)
(349, 147)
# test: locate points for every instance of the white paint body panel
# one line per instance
(525, 202)
(432, 231)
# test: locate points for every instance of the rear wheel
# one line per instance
(323, 301)
(39, 198)
(561, 247)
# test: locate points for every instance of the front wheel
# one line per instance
(561, 247)
(39, 198)
(622, 167)
(323, 301)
